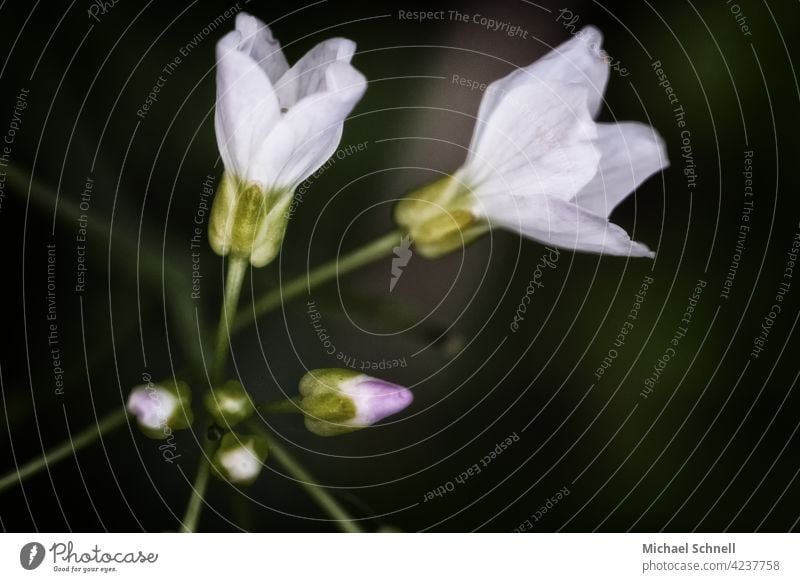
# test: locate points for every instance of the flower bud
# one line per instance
(161, 408)
(248, 221)
(337, 401)
(240, 458)
(439, 217)
(229, 404)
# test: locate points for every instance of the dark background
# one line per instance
(713, 448)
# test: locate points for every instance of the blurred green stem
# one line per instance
(237, 267)
(62, 451)
(372, 251)
(192, 515)
(149, 258)
(344, 521)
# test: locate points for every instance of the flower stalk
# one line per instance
(288, 406)
(237, 267)
(192, 515)
(372, 251)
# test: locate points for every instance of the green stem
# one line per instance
(65, 449)
(325, 500)
(192, 515)
(372, 251)
(289, 406)
(237, 268)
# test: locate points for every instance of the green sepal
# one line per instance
(325, 407)
(439, 217)
(248, 221)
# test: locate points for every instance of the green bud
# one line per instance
(161, 408)
(439, 217)
(229, 404)
(240, 458)
(247, 221)
(336, 401)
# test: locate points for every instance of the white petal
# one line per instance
(562, 224)
(247, 108)
(538, 140)
(578, 60)
(375, 399)
(309, 74)
(310, 132)
(258, 43)
(241, 464)
(630, 153)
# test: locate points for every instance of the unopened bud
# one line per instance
(229, 404)
(337, 401)
(161, 408)
(240, 458)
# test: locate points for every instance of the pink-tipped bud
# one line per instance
(337, 401)
(161, 408)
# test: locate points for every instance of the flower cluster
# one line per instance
(538, 165)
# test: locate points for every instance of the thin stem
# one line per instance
(65, 449)
(237, 268)
(192, 515)
(289, 406)
(380, 247)
(325, 500)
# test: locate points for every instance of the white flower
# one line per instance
(539, 164)
(275, 127)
